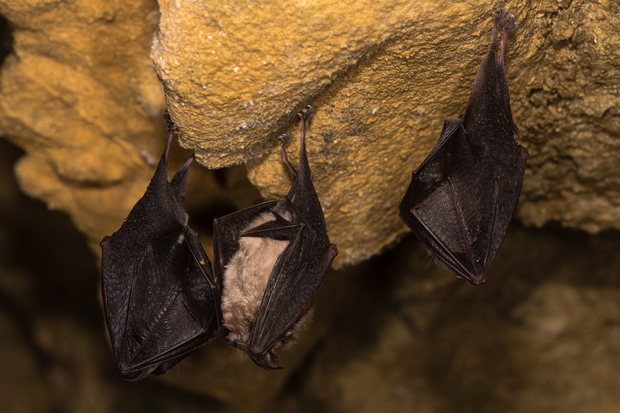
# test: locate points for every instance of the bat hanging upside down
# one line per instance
(272, 258)
(461, 199)
(161, 301)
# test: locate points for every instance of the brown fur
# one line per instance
(245, 280)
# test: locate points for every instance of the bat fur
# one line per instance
(272, 258)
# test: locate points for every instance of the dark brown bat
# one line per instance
(272, 258)
(461, 199)
(160, 297)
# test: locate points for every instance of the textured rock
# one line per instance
(567, 106)
(540, 336)
(80, 96)
(396, 333)
(383, 77)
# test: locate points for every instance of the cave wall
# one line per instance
(80, 95)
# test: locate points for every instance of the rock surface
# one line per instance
(383, 77)
(79, 94)
(81, 97)
(396, 333)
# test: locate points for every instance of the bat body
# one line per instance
(462, 197)
(160, 297)
(272, 258)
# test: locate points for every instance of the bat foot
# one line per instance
(504, 16)
(306, 114)
(510, 24)
(285, 139)
(172, 127)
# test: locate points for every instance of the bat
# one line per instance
(161, 300)
(272, 258)
(462, 197)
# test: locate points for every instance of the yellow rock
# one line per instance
(80, 96)
(382, 77)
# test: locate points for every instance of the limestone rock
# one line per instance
(80, 96)
(540, 336)
(395, 333)
(383, 76)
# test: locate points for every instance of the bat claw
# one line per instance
(306, 113)
(510, 24)
(172, 127)
(504, 16)
(499, 15)
(285, 139)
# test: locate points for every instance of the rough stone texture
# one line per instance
(567, 106)
(383, 76)
(80, 96)
(540, 337)
(396, 333)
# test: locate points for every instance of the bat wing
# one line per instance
(295, 279)
(450, 205)
(302, 196)
(299, 271)
(160, 297)
(461, 199)
(227, 231)
(488, 123)
(295, 273)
